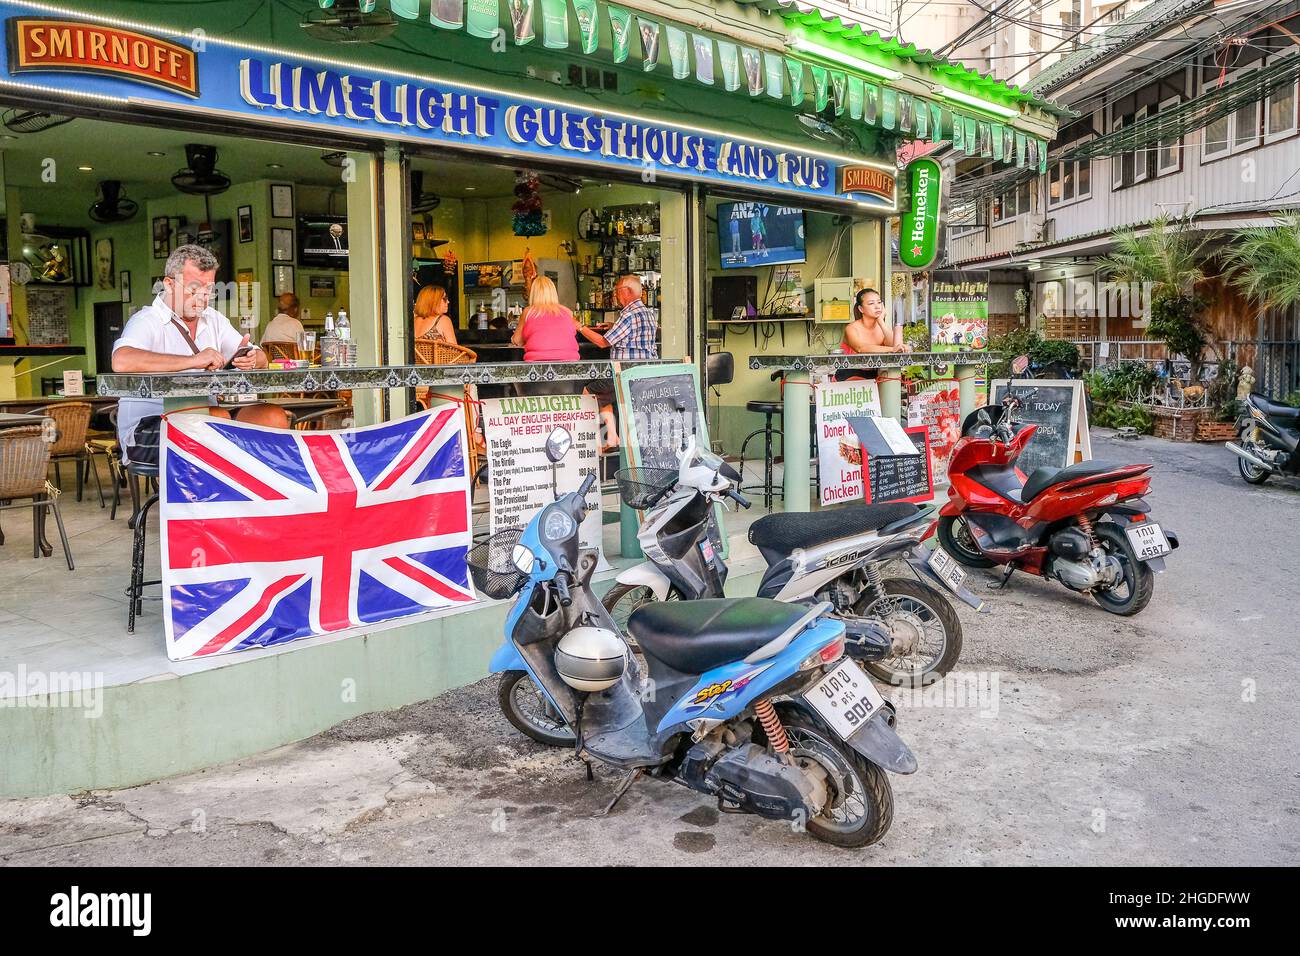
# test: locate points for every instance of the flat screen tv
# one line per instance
(759, 234)
(323, 242)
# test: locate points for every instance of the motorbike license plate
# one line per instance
(1148, 540)
(845, 698)
(946, 567)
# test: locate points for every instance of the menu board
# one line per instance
(659, 408)
(900, 477)
(839, 450)
(520, 474)
(1057, 409)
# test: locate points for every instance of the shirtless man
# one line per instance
(867, 332)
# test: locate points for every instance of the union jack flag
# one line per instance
(272, 535)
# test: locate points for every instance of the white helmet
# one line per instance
(590, 658)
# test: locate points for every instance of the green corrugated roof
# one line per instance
(878, 48)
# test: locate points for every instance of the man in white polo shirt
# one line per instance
(177, 333)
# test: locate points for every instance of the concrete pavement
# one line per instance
(1165, 739)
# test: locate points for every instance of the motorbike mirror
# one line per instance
(558, 444)
(1019, 364)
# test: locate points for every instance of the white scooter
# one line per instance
(903, 629)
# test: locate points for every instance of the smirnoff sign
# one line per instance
(71, 46)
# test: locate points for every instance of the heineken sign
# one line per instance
(918, 242)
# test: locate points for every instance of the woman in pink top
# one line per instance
(547, 330)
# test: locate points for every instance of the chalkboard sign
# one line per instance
(1057, 410)
(900, 477)
(659, 407)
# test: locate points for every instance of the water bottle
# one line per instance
(341, 327)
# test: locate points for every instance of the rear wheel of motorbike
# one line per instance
(1250, 472)
(527, 708)
(861, 805)
(956, 539)
(1134, 591)
(921, 615)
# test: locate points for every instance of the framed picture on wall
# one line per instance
(281, 245)
(245, 223)
(161, 237)
(124, 284)
(104, 275)
(281, 279)
(247, 287)
(156, 286)
(321, 287)
(281, 201)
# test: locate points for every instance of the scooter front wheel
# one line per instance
(527, 708)
(861, 805)
(955, 538)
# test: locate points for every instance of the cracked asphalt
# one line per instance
(1166, 739)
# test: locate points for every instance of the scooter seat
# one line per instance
(694, 636)
(1273, 409)
(778, 534)
(1043, 478)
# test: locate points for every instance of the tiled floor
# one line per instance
(54, 619)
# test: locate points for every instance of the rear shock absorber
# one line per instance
(772, 726)
(1085, 525)
(875, 583)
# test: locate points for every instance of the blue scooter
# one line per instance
(749, 700)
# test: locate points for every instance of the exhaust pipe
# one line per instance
(1253, 459)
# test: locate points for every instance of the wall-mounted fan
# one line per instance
(345, 22)
(828, 128)
(31, 121)
(422, 201)
(201, 176)
(113, 205)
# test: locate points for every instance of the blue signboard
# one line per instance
(118, 61)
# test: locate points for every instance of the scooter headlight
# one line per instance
(522, 559)
(557, 526)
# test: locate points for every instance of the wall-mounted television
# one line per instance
(323, 242)
(754, 234)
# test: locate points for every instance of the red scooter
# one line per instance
(1085, 525)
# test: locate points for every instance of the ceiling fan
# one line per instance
(349, 21)
(113, 204)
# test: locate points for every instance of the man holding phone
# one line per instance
(177, 333)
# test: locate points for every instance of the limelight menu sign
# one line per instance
(97, 58)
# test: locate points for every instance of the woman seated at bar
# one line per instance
(870, 331)
(546, 331)
(431, 318)
(546, 334)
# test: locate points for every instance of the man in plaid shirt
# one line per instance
(633, 336)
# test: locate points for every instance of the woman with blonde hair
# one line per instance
(431, 318)
(547, 330)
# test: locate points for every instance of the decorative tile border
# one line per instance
(808, 363)
(191, 384)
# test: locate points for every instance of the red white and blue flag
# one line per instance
(271, 535)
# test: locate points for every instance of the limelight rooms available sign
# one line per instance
(279, 87)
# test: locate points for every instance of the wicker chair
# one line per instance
(437, 352)
(279, 351)
(24, 460)
(106, 444)
(71, 421)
